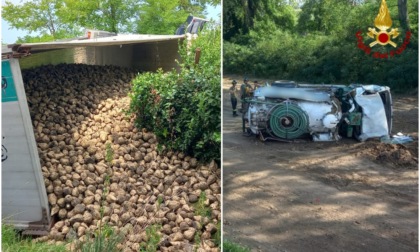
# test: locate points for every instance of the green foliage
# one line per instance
(324, 16)
(109, 153)
(59, 19)
(104, 240)
(36, 16)
(159, 201)
(8, 234)
(218, 235)
(413, 16)
(12, 242)
(183, 108)
(161, 17)
(233, 247)
(153, 239)
(165, 16)
(200, 208)
(36, 39)
(241, 17)
(107, 15)
(323, 48)
(109, 158)
(197, 240)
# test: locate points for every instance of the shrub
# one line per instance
(182, 107)
(316, 58)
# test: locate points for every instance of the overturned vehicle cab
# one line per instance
(287, 111)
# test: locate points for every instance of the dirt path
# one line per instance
(335, 196)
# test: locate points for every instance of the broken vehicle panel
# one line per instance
(287, 111)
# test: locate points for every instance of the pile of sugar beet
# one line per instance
(77, 111)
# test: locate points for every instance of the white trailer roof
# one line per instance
(120, 39)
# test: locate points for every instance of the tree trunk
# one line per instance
(113, 19)
(50, 24)
(403, 14)
(247, 16)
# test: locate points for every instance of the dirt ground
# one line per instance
(331, 196)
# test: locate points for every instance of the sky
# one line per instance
(9, 35)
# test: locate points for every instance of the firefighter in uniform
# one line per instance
(246, 92)
(233, 99)
(256, 85)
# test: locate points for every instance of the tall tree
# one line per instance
(37, 16)
(55, 19)
(108, 15)
(241, 16)
(403, 14)
(165, 16)
(325, 16)
(161, 17)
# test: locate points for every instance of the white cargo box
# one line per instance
(24, 198)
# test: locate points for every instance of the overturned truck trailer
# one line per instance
(287, 111)
(25, 203)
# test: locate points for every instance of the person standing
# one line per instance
(246, 92)
(256, 85)
(233, 99)
(246, 89)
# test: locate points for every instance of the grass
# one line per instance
(233, 247)
(200, 207)
(13, 242)
(153, 239)
(105, 240)
(109, 154)
(215, 237)
(218, 235)
(202, 210)
(159, 202)
(197, 240)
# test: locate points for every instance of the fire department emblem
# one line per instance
(383, 22)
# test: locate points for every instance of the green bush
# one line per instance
(182, 107)
(317, 58)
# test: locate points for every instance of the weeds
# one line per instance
(105, 239)
(153, 239)
(233, 247)
(159, 201)
(109, 154)
(218, 235)
(197, 239)
(152, 233)
(204, 211)
(200, 207)
(12, 242)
